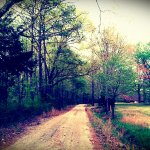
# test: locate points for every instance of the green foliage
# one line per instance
(142, 57)
(119, 77)
(80, 83)
(12, 58)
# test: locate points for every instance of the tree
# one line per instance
(13, 60)
(49, 29)
(90, 45)
(53, 27)
(116, 72)
(120, 80)
(142, 56)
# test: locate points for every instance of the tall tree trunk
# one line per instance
(62, 94)
(144, 91)
(27, 72)
(92, 65)
(40, 54)
(113, 112)
(45, 67)
(45, 51)
(112, 105)
(32, 49)
(19, 92)
(93, 91)
(5, 91)
(139, 93)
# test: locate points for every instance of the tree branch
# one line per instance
(7, 6)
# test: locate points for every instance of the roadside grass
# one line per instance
(104, 130)
(131, 127)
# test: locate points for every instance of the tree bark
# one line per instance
(113, 112)
(19, 92)
(40, 54)
(144, 91)
(139, 93)
(45, 66)
(93, 92)
(112, 105)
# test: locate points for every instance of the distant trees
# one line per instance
(115, 75)
(142, 56)
(116, 71)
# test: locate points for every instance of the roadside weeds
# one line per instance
(104, 131)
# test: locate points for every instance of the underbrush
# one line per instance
(103, 127)
(12, 116)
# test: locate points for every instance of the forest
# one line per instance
(53, 57)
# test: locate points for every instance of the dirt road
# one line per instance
(69, 131)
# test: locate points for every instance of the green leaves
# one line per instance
(117, 75)
(12, 58)
(142, 57)
(143, 54)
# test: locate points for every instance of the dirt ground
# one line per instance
(70, 131)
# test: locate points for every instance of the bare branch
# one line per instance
(7, 6)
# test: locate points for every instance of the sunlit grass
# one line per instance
(133, 124)
(135, 114)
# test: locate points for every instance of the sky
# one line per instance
(131, 18)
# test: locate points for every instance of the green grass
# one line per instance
(137, 133)
(141, 108)
(133, 134)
